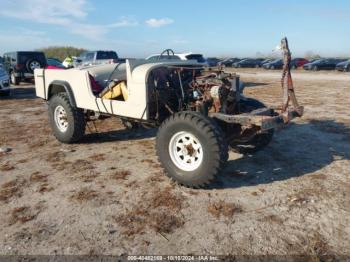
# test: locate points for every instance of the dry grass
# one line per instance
(158, 212)
(120, 175)
(221, 208)
(272, 219)
(23, 214)
(81, 165)
(84, 195)
(137, 221)
(156, 178)
(148, 161)
(98, 157)
(55, 157)
(306, 194)
(22, 161)
(45, 188)
(166, 198)
(89, 176)
(11, 189)
(38, 177)
(6, 167)
(318, 177)
(149, 144)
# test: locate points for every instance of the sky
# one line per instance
(138, 28)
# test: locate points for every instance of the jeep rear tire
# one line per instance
(32, 65)
(67, 122)
(191, 149)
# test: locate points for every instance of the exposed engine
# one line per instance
(173, 89)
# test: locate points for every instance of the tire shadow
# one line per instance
(118, 135)
(21, 92)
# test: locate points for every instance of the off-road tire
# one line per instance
(213, 146)
(13, 79)
(259, 141)
(75, 118)
(29, 62)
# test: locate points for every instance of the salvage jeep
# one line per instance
(200, 114)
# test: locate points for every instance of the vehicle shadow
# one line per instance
(21, 92)
(297, 150)
(254, 84)
(118, 135)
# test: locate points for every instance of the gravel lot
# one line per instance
(108, 195)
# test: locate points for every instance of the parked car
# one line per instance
(268, 60)
(343, 66)
(298, 62)
(248, 62)
(90, 58)
(325, 64)
(4, 82)
(53, 63)
(170, 55)
(229, 62)
(213, 61)
(21, 65)
(275, 64)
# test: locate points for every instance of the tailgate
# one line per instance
(39, 77)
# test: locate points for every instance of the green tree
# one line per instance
(61, 52)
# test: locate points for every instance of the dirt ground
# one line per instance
(108, 194)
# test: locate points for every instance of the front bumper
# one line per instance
(261, 118)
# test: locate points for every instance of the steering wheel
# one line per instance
(167, 52)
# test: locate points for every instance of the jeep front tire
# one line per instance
(67, 122)
(191, 149)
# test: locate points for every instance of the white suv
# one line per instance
(170, 55)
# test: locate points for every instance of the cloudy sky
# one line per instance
(137, 28)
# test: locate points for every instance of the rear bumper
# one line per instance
(24, 75)
(261, 118)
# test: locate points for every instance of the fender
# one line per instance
(59, 86)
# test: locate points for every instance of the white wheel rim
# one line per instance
(34, 65)
(186, 151)
(61, 120)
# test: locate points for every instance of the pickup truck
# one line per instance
(90, 58)
(200, 114)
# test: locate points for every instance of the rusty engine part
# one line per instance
(287, 84)
(173, 89)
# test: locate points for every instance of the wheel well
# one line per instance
(56, 88)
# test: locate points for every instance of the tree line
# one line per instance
(61, 52)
